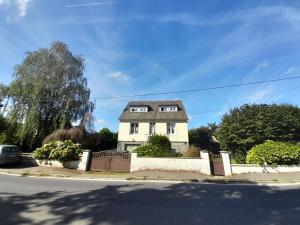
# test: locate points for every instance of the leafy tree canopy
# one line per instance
(202, 137)
(250, 125)
(108, 139)
(48, 92)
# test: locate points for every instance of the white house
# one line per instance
(140, 119)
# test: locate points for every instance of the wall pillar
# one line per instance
(83, 165)
(206, 163)
(133, 158)
(226, 163)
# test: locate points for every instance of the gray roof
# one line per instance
(153, 113)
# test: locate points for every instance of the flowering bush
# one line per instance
(58, 150)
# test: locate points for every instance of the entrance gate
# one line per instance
(216, 165)
(110, 161)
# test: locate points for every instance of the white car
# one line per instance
(10, 154)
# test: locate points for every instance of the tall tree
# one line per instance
(249, 125)
(48, 92)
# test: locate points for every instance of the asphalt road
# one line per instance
(25, 200)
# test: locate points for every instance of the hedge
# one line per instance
(160, 141)
(153, 151)
(274, 153)
(157, 146)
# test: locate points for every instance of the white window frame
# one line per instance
(171, 128)
(152, 125)
(139, 109)
(134, 128)
(171, 108)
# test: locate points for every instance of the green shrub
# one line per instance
(193, 151)
(274, 153)
(58, 150)
(160, 141)
(153, 151)
(252, 124)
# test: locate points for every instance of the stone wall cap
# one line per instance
(86, 150)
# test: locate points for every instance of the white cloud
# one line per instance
(20, 5)
(118, 76)
(289, 71)
(261, 66)
(101, 121)
(260, 94)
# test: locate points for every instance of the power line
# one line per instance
(199, 89)
(249, 100)
(16, 48)
(174, 92)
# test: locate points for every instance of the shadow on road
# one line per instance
(184, 204)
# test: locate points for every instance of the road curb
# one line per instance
(218, 181)
(161, 180)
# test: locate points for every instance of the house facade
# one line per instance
(141, 119)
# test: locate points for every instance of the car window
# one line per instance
(9, 149)
(5, 150)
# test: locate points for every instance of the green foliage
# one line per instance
(160, 141)
(58, 150)
(250, 125)
(153, 151)
(98, 141)
(91, 141)
(48, 92)
(3, 138)
(3, 127)
(104, 140)
(193, 152)
(157, 146)
(274, 153)
(202, 137)
(108, 139)
(8, 131)
(3, 123)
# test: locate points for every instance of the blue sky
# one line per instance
(141, 46)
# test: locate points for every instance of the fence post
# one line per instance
(83, 165)
(206, 163)
(226, 163)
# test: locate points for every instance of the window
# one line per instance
(139, 109)
(134, 128)
(152, 128)
(172, 108)
(170, 128)
(133, 109)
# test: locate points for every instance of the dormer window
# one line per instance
(170, 108)
(139, 109)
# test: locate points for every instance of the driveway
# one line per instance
(26, 200)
